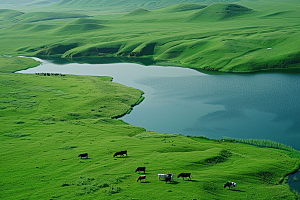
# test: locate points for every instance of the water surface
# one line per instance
(294, 181)
(188, 102)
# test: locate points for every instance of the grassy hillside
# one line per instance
(7, 16)
(16, 4)
(48, 120)
(42, 16)
(13, 64)
(117, 6)
(221, 11)
(11, 17)
(244, 37)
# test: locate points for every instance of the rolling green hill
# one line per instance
(245, 37)
(221, 11)
(7, 16)
(42, 16)
(126, 6)
(23, 4)
(47, 120)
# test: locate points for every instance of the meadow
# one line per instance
(48, 120)
(232, 37)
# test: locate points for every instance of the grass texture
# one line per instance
(13, 64)
(232, 37)
(47, 121)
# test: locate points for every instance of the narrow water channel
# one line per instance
(188, 102)
(294, 181)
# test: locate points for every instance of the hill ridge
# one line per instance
(221, 11)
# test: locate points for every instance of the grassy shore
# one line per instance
(47, 121)
(244, 37)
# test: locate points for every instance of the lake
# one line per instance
(184, 101)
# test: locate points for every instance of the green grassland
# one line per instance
(46, 121)
(232, 37)
(12, 64)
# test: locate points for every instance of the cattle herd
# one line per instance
(166, 177)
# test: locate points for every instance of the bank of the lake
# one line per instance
(188, 102)
(47, 121)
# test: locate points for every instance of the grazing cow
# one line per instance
(184, 175)
(229, 184)
(140, 169)
(163, 176)
(121, 153)
(167, 177)
(83, 155)
(140, 178)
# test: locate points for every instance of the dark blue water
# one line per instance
(294, 181)
(188, 102)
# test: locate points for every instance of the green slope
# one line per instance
(124, 6)
(220, 11)
(8, 16)
(139, 11)
(42, 16)
(245, 37)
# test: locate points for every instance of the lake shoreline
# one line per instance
(148, 60)
(126, 116)
(100, 138)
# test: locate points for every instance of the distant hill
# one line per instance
(183, 7)
(138, 11)
(8, 16)
(15, 4)
(129, 5)
(236, 37)
(220, 11)
(41, 2)
(42, 16)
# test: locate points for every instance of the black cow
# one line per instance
(121, 153)
(140, 169)
(184, 175)
(169, 178)
(229, 184)
(83, 155)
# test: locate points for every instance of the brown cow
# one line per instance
(140, 178)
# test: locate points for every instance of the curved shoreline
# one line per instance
(149, 60)
(121, 81)
(172, 146)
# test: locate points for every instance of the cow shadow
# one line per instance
(174, 182)
(145, 182)
(237, 190)
(192, 180)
